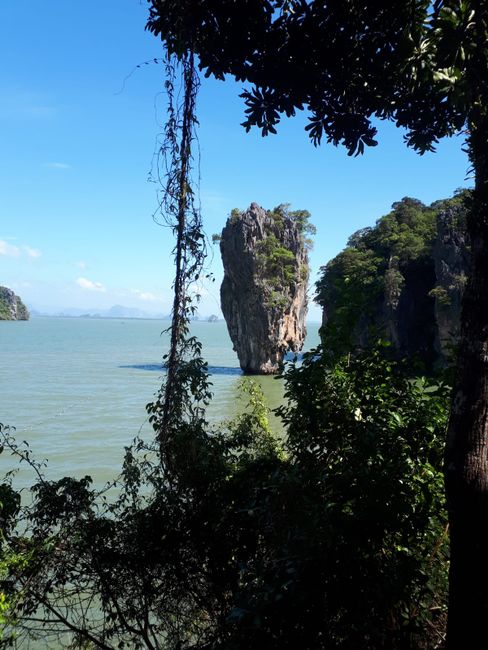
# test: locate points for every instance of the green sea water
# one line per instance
(76, 389)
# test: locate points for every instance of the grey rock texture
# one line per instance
(408, 316)
(452, 260)
(11, 306)
(419, 308)
(263, 294)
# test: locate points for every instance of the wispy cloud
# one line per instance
(7, 250)
(10, 250)
(145, 295)
(57, 165)
(89, 285)
(25, 105)
(81, 264)
(214, 200)
(34, 253)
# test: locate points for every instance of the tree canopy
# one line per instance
(345, 62)
(424, 66)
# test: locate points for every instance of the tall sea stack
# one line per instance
(263, 294)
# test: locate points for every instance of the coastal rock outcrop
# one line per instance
(452, 261)
(11, 306)
(263, 293)
(402, 281)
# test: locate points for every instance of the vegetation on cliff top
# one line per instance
(11, 304)
(374, 264)
(278, 266)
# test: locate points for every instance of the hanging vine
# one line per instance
(185, 390)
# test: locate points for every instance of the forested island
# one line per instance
(11, 306)
(401, 281)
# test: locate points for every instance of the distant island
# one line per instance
(116, 311)
(11, 306)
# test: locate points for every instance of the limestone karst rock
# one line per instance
(11, 306)
(263, 294)
(452, 260)
(401, 280)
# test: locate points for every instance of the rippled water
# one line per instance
(76, 389)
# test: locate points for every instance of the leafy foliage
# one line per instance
(9, 304)
(407, 62)
(281, 254)
(333, 537)
(370, 272)
(227, 539)
(370, 440)
(424, 66)
(277, 263)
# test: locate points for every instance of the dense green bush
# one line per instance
(331, 538)
(278, 265)
(369, 439)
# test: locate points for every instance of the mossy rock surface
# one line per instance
(11, 306)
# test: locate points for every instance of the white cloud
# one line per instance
(25, 105)
(32, 252)
(57, 165)
(8, 250)
(81, 264)
(144, 295)
(89, 285)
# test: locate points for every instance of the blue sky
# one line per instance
(76, 227)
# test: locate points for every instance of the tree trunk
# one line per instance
(467, 442)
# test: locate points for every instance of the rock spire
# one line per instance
(263, 294)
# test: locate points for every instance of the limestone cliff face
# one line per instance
(11, 306)
(452, 259)
(410, 296)
(263, 294)
(409, 319)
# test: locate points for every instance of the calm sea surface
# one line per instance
(76, 389)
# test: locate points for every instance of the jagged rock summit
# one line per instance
(263, 294)
(11, 306)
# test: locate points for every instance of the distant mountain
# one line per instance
(116, 311)
(119, 311)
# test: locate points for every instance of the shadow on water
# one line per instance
(296, 357)
(212, 370)
(293, 356)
